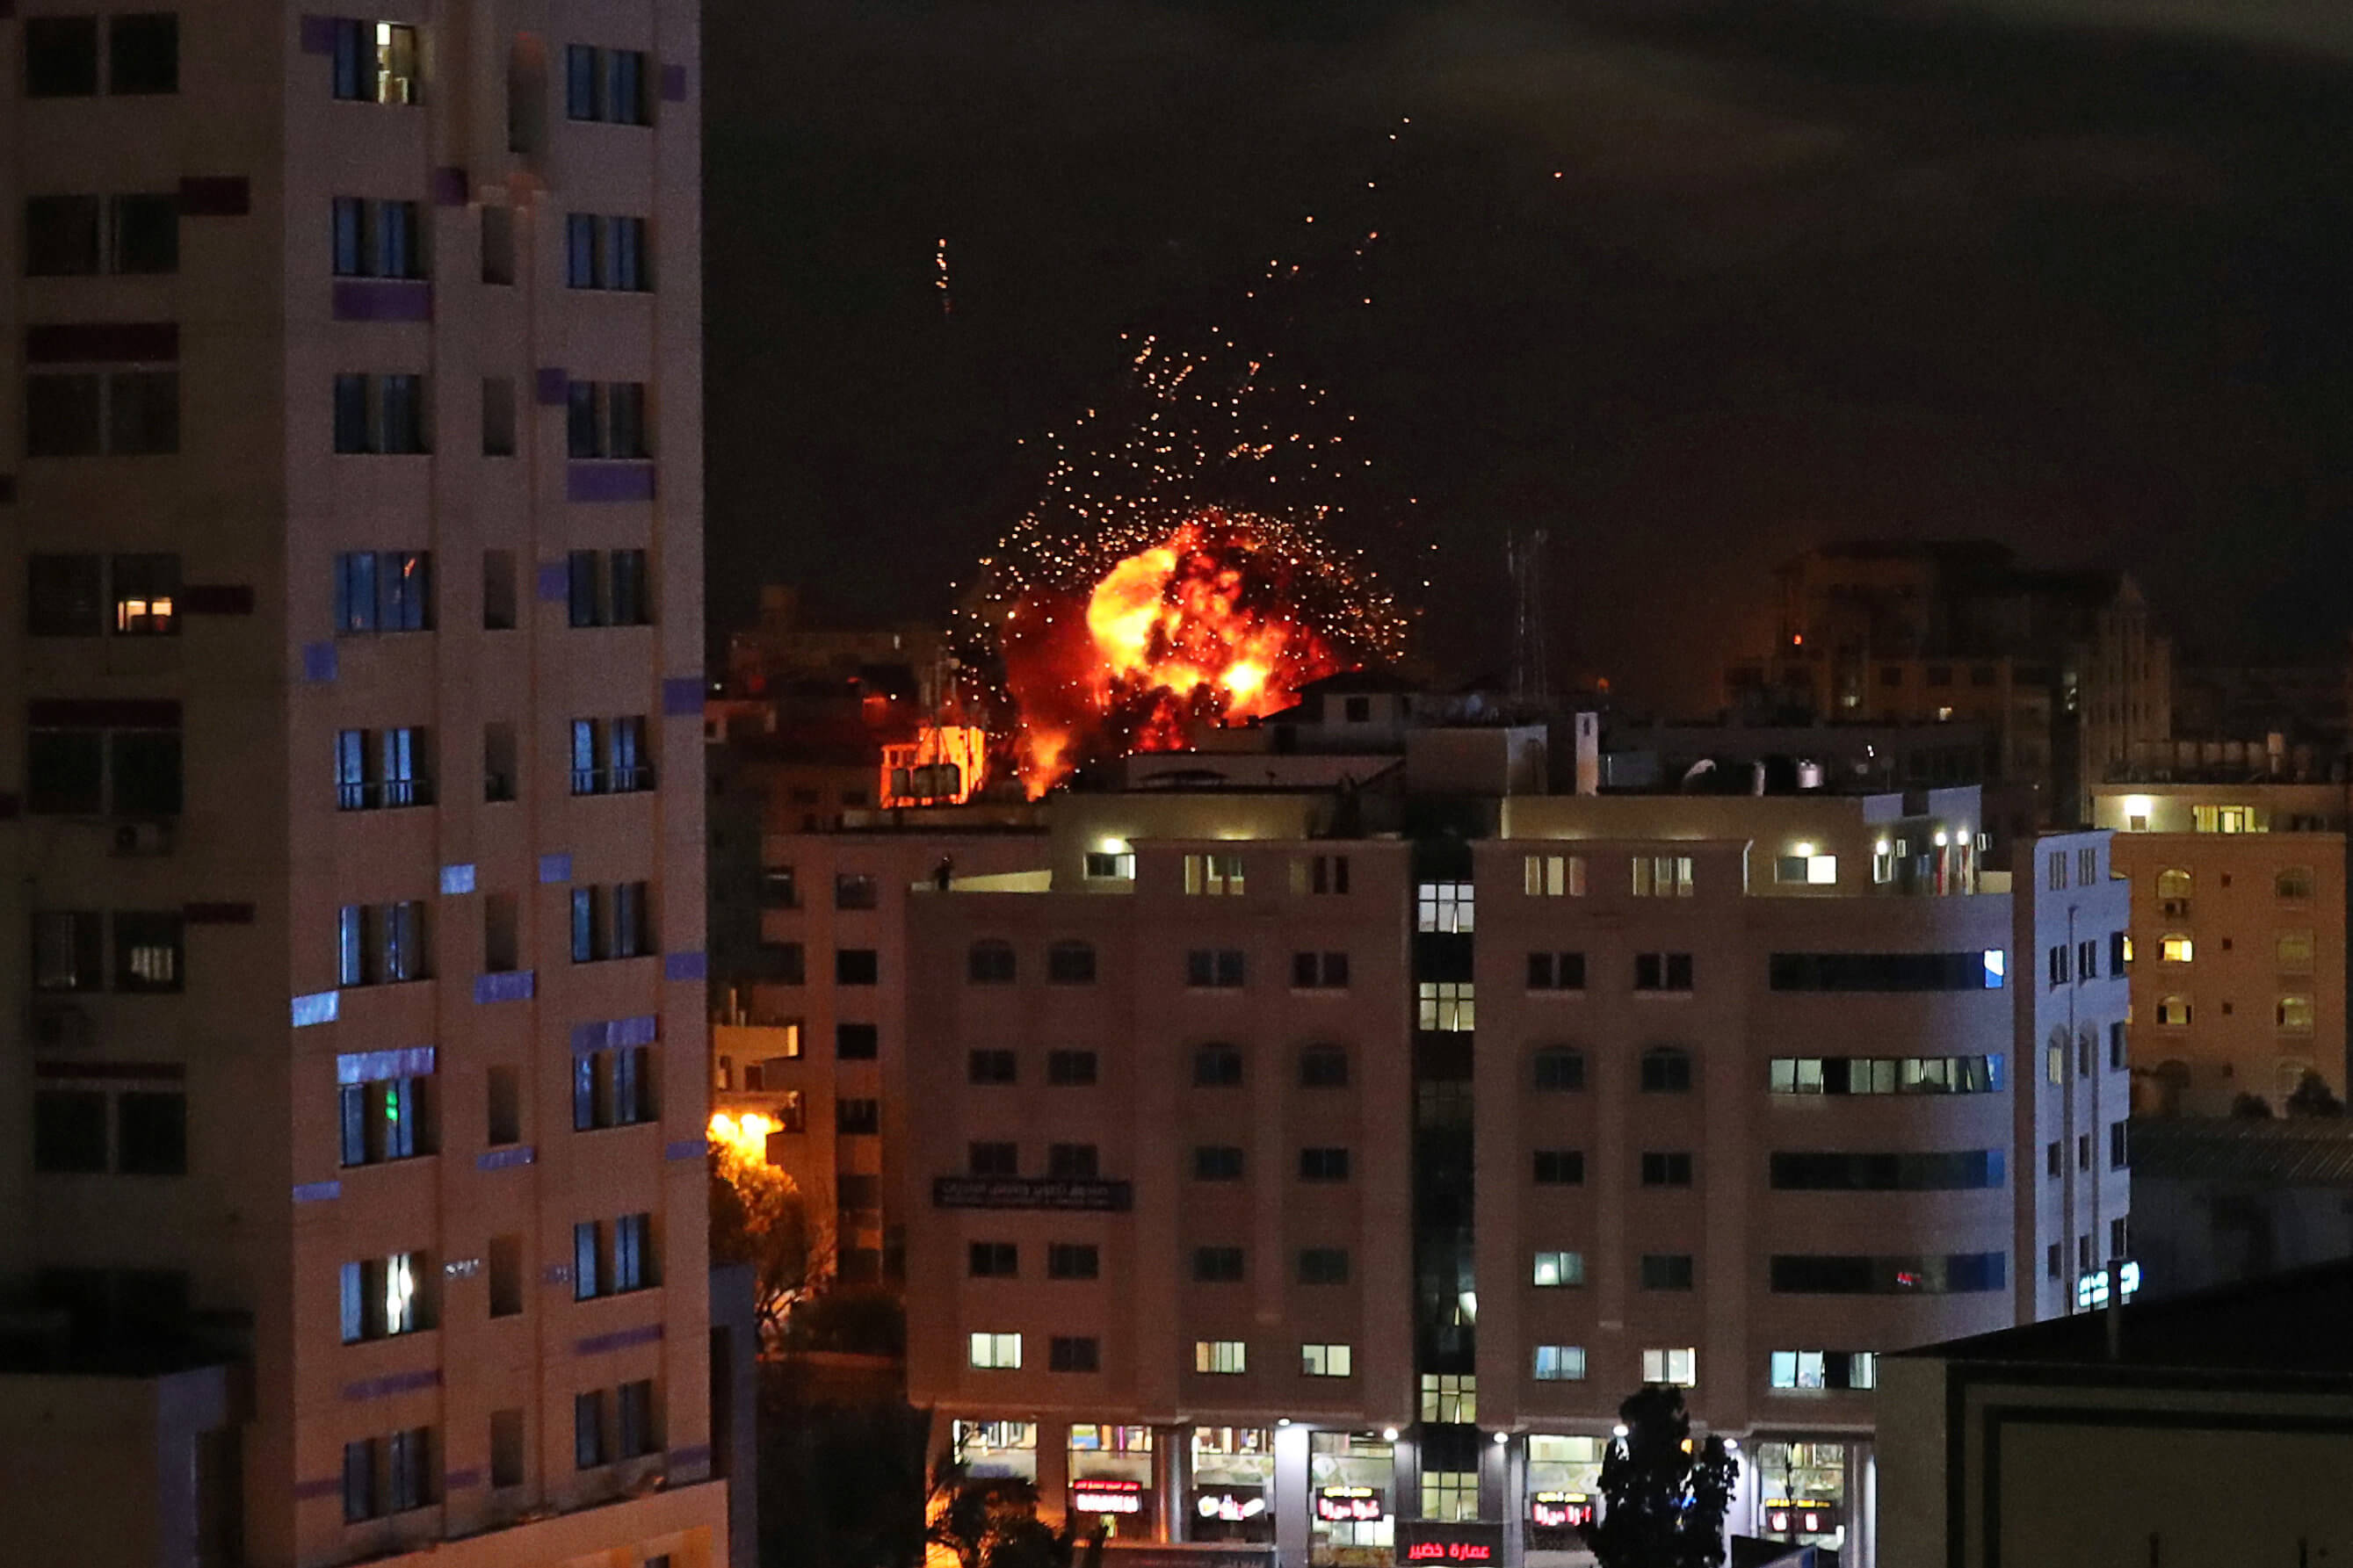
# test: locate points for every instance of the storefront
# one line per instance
(993, 1448)
(1563, 1490)
(1110, 1478)
(1350, 1478)
(1232, 1495)
(1801, 1492)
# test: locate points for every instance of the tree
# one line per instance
(991, 1522)
(1663, 1497)
(757, 1217)
(2251, 1108)
(2313, 1098)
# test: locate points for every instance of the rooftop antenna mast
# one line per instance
(1531, 660)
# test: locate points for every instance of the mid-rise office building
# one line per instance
(2237, 935)
(353, 1201)
(1308, 1151)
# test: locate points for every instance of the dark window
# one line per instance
(1323, 1266)
(994, 1065)
(993, 1160)
(1883, 971)
(1559, 1167)
(1217, 1162)
(855, 966)
(1662, 971)
(1966, 1170)
(990, 964)
(68, 1130)
(61, 235)
(1666, 1170)
(1323, 1164)
(64, 595)
(69, 950)
(1217, 1067)
(1555, 971)
(1072, 1260)
(1666, 1070)
(1071, 1161)
(638, 1431)
(144, 53)
(857, 1042)
(1666, 1271)
(1319, 971)
(994, 1260)
(1855, 1274)
(858, 1118)
(1070, 964)
(1216, 1265)
(2117, 1155)
(1070, 1069)
(61, 56)
(64, 414)
(856, 890)
(151, 1130)
(1323, 1067)
(146, 234)
(383, 591)
(1066, 1352)
(1559, 1068)
(588, 1429)
(1219, 968)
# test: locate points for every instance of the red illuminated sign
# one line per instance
(1350, 1505)
(1107, 1494)
(1449, 1551)
(1426, 1541)
(1560, 1510)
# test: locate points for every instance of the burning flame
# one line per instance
(1212, 625)
(746, 1136)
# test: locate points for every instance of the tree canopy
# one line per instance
(1663, 1497)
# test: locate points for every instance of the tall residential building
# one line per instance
(353, 1197)
(2064, 668)
(2237, 934)
(1311, 1150)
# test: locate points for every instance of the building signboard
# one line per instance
(1030, 1192)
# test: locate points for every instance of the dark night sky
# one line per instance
(2076, 274)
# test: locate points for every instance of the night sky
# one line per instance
(2074, 274)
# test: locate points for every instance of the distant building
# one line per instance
(2237, 936)
(1306, 1147)
(2218, 1201)
(2063, 669)
(2210, 1429)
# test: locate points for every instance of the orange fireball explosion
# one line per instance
(1217, 623)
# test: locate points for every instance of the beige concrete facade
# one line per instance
(455, 123)
(1142, 1161)
(2238, 937)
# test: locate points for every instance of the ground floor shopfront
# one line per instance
(1299, 1496)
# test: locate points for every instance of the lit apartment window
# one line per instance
(1553, 876)
(1824, 1369)
(383, 591)
(2174, 947)
(2293, 951)
(1444, 906)
(994, 1352)
(606, 85)
(1555, 971)
(384, 1296)
(1325, 1361)
(1555, 1270)
(1449, 1496)
(1679, 1365)
(2295, 1014)
(1663, 876)
(2222, 818)
(1214, 875)
(2173, 1012)
(375, 62)
(1450, 1398)
(1885, 1075)
(382, 1119)
(1446, 1005)
(2173, 891)
(1314, 874)
(1805, 869)
(1109, 866)
(1560, 1363)
(1220, 1357)
(89, 595)
(605, 252)
(2294, 885)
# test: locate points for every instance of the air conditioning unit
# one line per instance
(142, 839)
(57, 1025)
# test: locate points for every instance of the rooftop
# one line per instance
(2298, 1152)
(2290, 1324)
